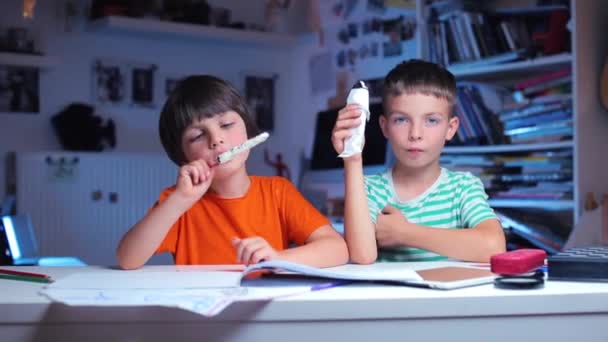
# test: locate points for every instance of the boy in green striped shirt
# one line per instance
(416, 210)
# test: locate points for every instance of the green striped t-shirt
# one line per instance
(456, 200)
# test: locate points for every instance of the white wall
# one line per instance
(70, 81)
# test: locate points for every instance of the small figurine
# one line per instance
(281, 168)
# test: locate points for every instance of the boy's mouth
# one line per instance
(414, 152)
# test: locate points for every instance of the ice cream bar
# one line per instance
(359, 94)
(231, 153)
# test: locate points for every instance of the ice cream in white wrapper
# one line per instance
(359, 94)
(233, 152)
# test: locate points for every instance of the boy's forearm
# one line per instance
(327, 251)
(359, 231)
(142, 240)
(472, 244)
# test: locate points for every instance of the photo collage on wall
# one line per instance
(367, 29)
(124, 83)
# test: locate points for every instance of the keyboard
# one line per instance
(579, 264)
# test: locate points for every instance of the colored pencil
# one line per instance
(21, 273)
(25, 278)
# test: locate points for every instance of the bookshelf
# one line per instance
(516, 69)
(589, 122)
(154, 28)
(27, 60)
(508, 148)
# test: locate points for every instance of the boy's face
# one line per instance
(207, 138)
(417, 126)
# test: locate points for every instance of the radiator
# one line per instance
(82, 203)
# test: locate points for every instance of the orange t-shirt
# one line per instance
(272, 209)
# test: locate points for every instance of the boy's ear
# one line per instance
(453, 123)
(383, 121)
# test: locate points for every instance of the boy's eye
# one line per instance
(227, 124)
(400, 119)
(432, 120)
(198, 136)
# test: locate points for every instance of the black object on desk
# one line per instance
(580, 264)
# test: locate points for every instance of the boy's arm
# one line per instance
(142, 240)
(476, 244)
(359, 230)
(323, 248)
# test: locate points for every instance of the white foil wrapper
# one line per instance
(359, 94)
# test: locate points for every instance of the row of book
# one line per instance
(543, 175)
(465, 33)
(537, 113)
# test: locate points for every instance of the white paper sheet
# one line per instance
(206, 302)
(206, 292)
(116, 279)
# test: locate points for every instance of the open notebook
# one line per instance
(444, 277)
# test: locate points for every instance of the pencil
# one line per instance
(26, 278)
(20, 273)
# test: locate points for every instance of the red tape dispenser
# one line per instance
(518, 268)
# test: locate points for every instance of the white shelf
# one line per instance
(535, 65)
(508, 148)
(118, 24)
(26, 60)
(531, 203)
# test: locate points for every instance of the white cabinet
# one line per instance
(82, 203)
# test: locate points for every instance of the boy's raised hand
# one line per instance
(390, 227)
(194, 180)
(253, 250)
(348, 118)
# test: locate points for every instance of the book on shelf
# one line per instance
(532, 110)
(511, 105)
(564, 80)
(548, 135)
(543, 78)
(559, 115)
(509, 56)
(541, 128)
(438, 277)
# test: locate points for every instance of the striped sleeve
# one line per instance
(474, 206)
(376, 199)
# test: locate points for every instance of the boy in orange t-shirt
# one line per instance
(218, 214)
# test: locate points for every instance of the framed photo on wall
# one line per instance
(259, 94)
(169, 84)
(19, 91)
(142, 84)
(110, 81)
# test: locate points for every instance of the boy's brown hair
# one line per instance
(418, 76)
(195, 98)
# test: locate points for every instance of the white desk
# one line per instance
(560, 312)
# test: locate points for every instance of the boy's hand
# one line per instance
(253, 250)
(194, 180)
(390, 227)
(348, 118)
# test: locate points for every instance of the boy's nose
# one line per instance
(415, 133)
(216, 140)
